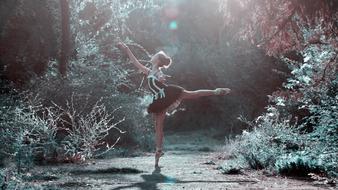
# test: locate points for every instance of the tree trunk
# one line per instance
(65, 41)
(6, 10)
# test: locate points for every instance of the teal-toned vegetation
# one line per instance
(68, 94)
(297, 135)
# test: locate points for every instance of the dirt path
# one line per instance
(187, 167)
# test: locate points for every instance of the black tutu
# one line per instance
(172, 94)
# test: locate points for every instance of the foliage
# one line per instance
(31, 132)
(278, 26)
(99, 65)
(98, 26)
(86, 132)
(303, 35)
(92, 84)
(12, 180)
(277, 145)
(28, 38)
(138, 124)
(20, 131)
(97, 71)
(261, 147)
(207, 56)
(234, 166)
(204, 54)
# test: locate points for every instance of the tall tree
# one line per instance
(65, 41)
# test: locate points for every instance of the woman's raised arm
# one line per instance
(133, 59)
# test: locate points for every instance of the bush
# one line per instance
(19, 131)
(261, 147)
(298, 133)
(10, 179)
(30, 132)
(281, 147)
(137, 125)
(86, 131)
(298, 164)
(92, 83)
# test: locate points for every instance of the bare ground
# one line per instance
(190, 162)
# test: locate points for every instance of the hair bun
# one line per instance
(165, 60)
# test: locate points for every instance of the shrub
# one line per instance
(298, 133)
(92, 83)
(297, 164)
(30, 132)
(10, 179)
(281, 147)
(86, 131)
(19, 130)
(269, 139)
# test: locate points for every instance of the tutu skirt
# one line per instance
(171, 100)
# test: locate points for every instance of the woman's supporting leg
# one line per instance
(159, 121)
(201, 93)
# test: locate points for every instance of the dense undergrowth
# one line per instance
(75, 123)
(297, 135)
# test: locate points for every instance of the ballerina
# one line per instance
(165, 97)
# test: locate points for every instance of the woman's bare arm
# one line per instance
(133, 59)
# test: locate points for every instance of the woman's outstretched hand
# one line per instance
(227, 90)
(222, 91)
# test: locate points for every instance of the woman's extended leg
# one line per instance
(159, 120)
(200, 93)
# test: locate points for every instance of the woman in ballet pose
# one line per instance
(165, 97)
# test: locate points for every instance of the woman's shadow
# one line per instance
(150, 181)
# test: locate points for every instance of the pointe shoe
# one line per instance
(158, 154)
(222, 91)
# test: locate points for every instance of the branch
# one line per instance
(280, 28)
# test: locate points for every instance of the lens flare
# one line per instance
(173, 25)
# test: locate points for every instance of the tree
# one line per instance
(28, 39)
(281, 26)
(65, 41)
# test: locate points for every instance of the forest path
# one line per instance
(188, 163)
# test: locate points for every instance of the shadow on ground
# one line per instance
(151, 181)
